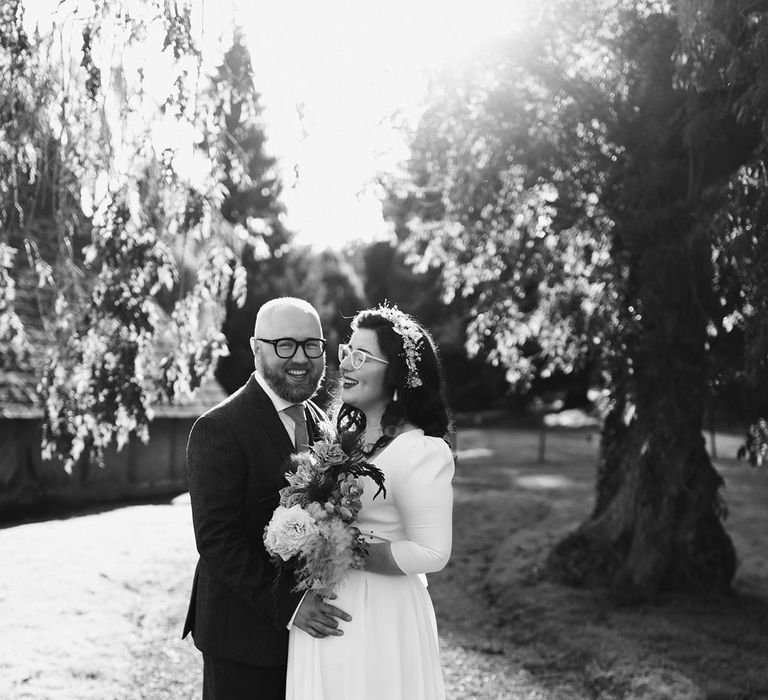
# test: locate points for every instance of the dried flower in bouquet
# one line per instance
(312, 531)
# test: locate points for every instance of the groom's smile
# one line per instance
(298, 374)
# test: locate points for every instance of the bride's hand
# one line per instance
(381, 561)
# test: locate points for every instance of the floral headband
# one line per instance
(412, 338)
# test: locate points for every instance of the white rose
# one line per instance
(288, 531)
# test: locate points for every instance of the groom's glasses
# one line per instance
(286, 348)
(356, 357)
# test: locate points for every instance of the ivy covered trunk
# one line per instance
(658, 519)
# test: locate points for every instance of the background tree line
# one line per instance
(583, 206)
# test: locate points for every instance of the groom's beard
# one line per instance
(289, 389)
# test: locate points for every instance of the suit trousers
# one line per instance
(224, 679)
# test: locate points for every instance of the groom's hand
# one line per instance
(318, 618)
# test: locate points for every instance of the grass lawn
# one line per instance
(91, 606)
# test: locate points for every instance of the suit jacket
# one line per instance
(237, 456)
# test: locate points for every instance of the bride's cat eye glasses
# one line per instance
(357, 358)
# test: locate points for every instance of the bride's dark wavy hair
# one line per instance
(424, 406)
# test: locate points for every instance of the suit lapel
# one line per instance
(267, 417)
(273, 427)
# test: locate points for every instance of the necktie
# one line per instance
(301, 437)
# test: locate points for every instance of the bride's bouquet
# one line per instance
(312, 531)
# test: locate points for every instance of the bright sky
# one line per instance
(347, 67)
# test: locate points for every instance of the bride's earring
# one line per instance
(394, 396)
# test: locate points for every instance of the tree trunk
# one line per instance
(657, 522)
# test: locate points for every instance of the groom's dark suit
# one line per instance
(237, 456)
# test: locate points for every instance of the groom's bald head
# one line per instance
(277, 316)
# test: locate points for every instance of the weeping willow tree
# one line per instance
(590, 186)
(113, 174)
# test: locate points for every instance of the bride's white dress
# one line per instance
(389, 650)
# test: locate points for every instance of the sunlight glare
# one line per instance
(340, 76)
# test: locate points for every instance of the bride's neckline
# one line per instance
(404, 431)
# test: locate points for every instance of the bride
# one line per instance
(393, 397)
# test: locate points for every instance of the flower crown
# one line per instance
(412, 338)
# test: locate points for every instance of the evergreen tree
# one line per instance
(251, 205)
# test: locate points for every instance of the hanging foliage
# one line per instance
(112, 198)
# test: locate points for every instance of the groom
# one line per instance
(237, 455)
